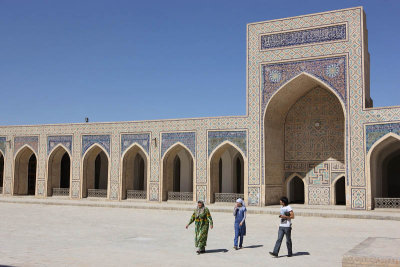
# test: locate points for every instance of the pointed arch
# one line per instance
(339, 191)
(226, 143)
(134, 176)
(59, 171)
(187, 171)
(95, 171)
(25, 171)
(225, 175)
(293, 192)
(277, 140)
(378, 156)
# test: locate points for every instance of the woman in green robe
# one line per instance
(202, 218)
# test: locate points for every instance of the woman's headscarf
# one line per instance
(200, 210)
(239, 200)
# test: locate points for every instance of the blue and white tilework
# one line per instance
(376, 131)
(53, 141)
(142, 139)
(89, 140)
(32, 141)
(239, 138)
(186, 138)
(302, 37)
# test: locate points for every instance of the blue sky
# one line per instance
(62, 61)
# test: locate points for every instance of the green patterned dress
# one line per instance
(202, 219)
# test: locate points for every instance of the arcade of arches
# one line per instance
(304, 134)
(177, 171)
(226, 172)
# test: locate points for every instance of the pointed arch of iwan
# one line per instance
(59, 169)
(223, 171)
(95, 170)
(376, 167)
(178, 171)
(275, 142)
(25, 171)
(135, 170)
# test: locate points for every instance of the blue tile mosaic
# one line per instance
(330, 70)
(3, 145)
(376, 131)
(141, 139)
(53, 141)
(215, 138)
(89, 140)
(302, 37)
(20, 141)
(186, 138)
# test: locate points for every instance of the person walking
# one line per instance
(203, 220)
(285, 228)
(240, 223)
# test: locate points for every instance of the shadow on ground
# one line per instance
(254, 246)
(224, 250)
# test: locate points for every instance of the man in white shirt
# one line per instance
(285, 227)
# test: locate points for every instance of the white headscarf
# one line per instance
(239, 200)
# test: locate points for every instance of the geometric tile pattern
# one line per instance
(314, 127)
(53, 141)
(376, 131)
(186, 138)
(201, 193)
(3, 145)
(254, 196)
(20, 141)
(239, 138)
(154, 192)
(318, 195)
(316, 35)
(358, 198)
(330, 70)
(89, 140)
(142, 139)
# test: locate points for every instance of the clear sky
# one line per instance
(62, 61)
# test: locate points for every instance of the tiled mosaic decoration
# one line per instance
(186, 138)
(201, 193)
(314, 128)
(309, 36)
(142, 139)
(53, 141)
(3, 145)
(376, 131)
(318, 195)
(254, 196)
(89, 140)
(330, 70)
(20, 141)
(239, 138)
(358, 198)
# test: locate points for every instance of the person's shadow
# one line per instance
(224, 250)
(303, 253)
(254, 246)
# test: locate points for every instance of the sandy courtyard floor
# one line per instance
(44, 235)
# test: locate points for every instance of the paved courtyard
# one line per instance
(45, 235)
